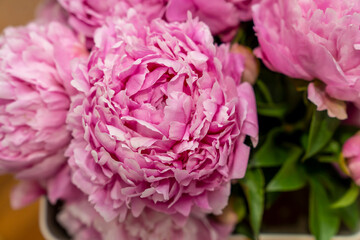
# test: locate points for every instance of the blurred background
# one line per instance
(20, 224)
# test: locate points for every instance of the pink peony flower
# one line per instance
(87, 15)
(163, 122)
(34, 99)
(78, 218)
(351, 151)
(314, 40)
(83, 223)
(57, 187)
(222, 16)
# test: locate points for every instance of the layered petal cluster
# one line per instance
(163, 122)
(82, 222)
(351, 151)
(222, 16)
(314, 40)
(78, 218)
(87, 15)
(35, 85)
(56, 187)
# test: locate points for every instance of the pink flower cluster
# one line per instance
(130, 114)
(317, 41)
(83, 223)
(35, 75)
(314, 40)
(142, 136)
(35, 88)
(222, 16)
(351, 152)
(163, 120)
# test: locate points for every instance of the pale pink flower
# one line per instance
(314, 40)
(35, 63)
(78, 219)
(56, 187)
(163, 122)
(351, 151)
(87, 15)
(222, 16)
(82, 222)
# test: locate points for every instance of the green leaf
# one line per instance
(245, 230)
(332, 183)
(324, 222)
(271, 198)
(291, 176)
(322, 129)
(264, 91)
(270, 154)
(348, 198)
(270, 110)
(239, 208)
(332, 148)
(239, 37)
(253, 186)
(265, 104)
(350, 216)
(330, 153)
(327, 159)
(304, 140)
(345, 132)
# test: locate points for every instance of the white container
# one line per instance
(51, 231)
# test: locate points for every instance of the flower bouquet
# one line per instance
(185, 119)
